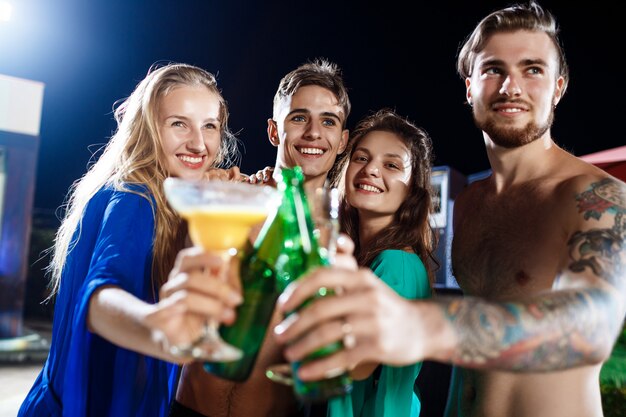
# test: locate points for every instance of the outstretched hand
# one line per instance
(382, 326)
(193, 294)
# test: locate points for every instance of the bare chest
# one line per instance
(257, 396)
(508, 247)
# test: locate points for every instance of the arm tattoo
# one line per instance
(558, 329)
(601, 250)
(555, 331)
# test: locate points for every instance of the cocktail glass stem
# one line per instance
(210, 346)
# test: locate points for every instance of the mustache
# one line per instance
(504, 100)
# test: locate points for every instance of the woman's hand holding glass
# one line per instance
(220, 215)
(188, 299)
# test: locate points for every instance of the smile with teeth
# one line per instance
(190, 159)
(311, 151)
(509, 110)
(370, 188)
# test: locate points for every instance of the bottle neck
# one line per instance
(290, 230)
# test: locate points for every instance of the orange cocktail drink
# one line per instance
(221, 228)
(220, 216)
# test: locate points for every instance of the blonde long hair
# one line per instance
(134, 155)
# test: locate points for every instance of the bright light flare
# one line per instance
(5, 11)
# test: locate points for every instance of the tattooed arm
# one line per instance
(576, 323)
(557, 330)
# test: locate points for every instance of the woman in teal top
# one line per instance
(387, 200)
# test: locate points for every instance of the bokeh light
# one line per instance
(6, 9)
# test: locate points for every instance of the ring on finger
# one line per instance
(349, 340)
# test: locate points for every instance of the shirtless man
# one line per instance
(311, 107)
(539, 250)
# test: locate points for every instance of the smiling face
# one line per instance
(514, 87)
(307, 130)
(378, 175)
(190, 130)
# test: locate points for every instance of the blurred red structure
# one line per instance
(612, 161)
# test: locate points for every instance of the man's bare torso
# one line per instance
(508, 246)
(257, 396)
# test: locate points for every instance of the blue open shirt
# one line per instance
(85, 375)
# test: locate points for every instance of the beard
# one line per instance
(510, 137)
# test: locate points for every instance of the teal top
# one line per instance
(393, 395)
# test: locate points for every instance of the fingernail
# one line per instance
(279, 329)
(235, 298)
(285, 324)
(282, 299)
(228, 315)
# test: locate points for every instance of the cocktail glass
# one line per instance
(220, 215)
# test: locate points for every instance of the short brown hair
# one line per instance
(319, 72)
(530, 17)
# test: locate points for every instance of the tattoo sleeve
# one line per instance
(562, 328)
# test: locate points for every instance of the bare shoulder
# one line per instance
(580, 175)
(594, 194)
(598, 228)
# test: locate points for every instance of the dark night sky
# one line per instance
(92, 53)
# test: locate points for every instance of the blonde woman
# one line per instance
(113, 317)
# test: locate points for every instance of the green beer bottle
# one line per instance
(285, 249)
(301, 252)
